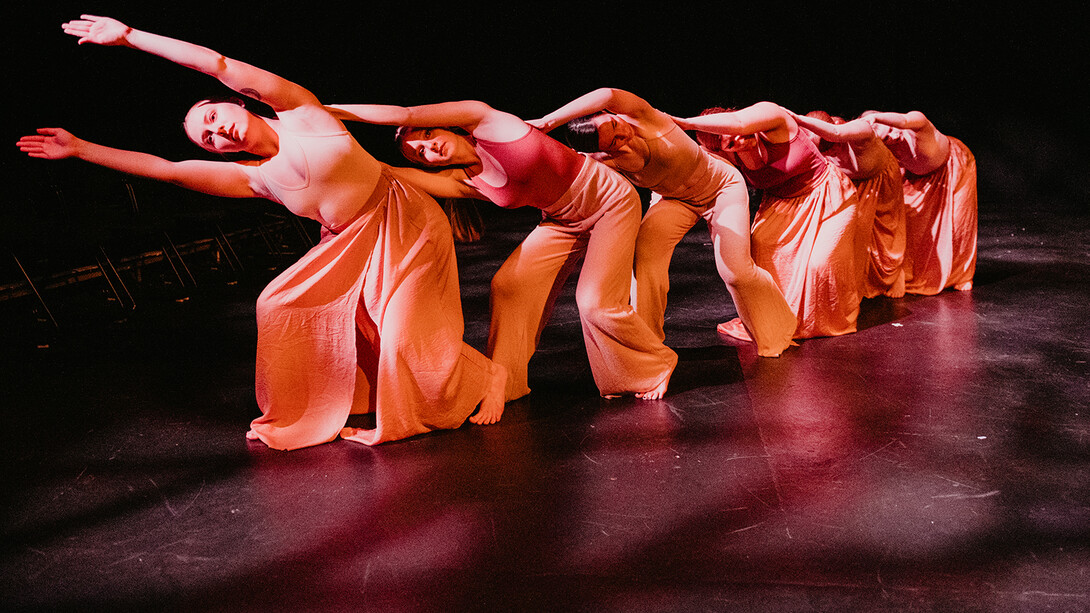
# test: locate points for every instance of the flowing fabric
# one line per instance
(941, 224)
(368, 320)
(809, 244)
(884, 239)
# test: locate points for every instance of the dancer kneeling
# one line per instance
(861, 155)
(804, 232)
(368, 320)
(940, 201)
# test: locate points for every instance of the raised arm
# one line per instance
(767, 117)
(447, 183)
(853, 131)
(217, 178)
(475, 117)
(616, 101)
(248, 80)
(912, 120)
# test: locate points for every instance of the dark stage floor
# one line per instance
(937, 460)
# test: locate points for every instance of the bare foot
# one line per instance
(658, 392)
(491, 408)
(734, 329)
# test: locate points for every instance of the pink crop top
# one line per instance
(534, 170)
(790, 168)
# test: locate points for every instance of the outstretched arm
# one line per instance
(853, 131)
(262, 85)
(475, 117)
(217, 178)
(767, 117)
(616, 101)
(912, 120)
(449, 183)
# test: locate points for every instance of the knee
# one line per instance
(506, 284)
(595, 308)
(737, 272)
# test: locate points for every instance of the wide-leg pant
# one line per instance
(596, 221)
(761, 306)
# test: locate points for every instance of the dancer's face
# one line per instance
(436, 147)
(221, 127)
(613, 133)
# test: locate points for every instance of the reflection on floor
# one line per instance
(939, 459)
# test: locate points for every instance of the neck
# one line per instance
(268, 143)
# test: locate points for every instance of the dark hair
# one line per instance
(582, 133)
(214, 100)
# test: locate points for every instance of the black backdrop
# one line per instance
(1007, 83)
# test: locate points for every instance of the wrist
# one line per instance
(131, 38)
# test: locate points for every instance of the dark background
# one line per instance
(1008, 83)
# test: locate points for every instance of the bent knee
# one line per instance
(739, 274)
(506, 284)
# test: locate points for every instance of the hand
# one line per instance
(49, 144)
(98, 30)
(540, 124)
(681, 122)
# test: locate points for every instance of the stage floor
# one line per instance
(937, 460)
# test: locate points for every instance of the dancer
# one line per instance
(368, 320)
(644, 144)
(862, 156)
(804, 232)
(589, 211)
(940, 201)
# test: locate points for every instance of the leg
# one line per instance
(963, 218)
(662, 228)
(523, 293)
(424, 377)
(625, 355)
(808, 243)
(762, 309)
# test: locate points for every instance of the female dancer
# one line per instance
(804, 232)
(940, 202)
(368, 320)
(862, 156)
(589, 211)
(646, 146)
